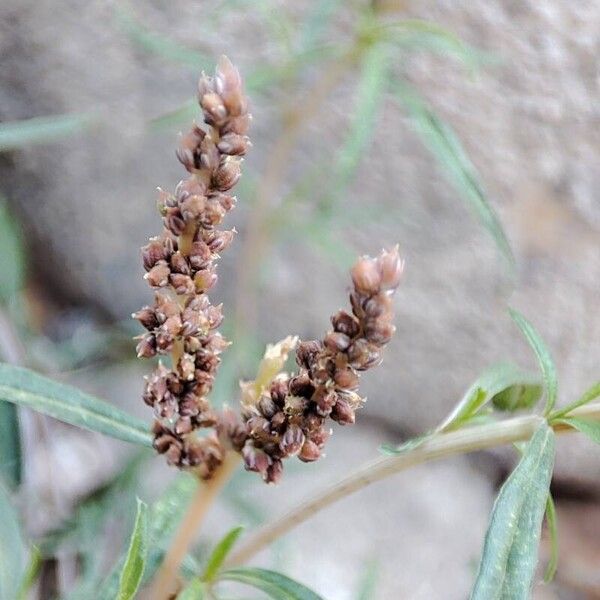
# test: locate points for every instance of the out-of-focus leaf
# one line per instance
(133, 569)
(12, 263)
(504, 384)
(13, 553)
(372, 84)
(511, 543)
(553, 534)
(446, 147)
(219, 554)
(194, 590)
(590, 394)
(66, 403)
(160, 45)
(317, 21)
(368, 582)
(10, 445)
(31, 573)
(40, 130)
(275, 585)
(543, 355)
(591, 429)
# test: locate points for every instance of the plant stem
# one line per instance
(165, 582)
(441, 446)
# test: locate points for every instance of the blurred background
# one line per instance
(466, 131)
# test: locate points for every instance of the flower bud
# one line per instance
(182, 284)
(146, 348)
(345, 323)
(174, 222)
(379, 332)
(233, 144)
(292, 440)
(336, 342)
(219, 240)
(391, 267)
(309, 452)
(147, 317)
(214, 109)
(343, 413)
(158, 275)
(191, 208)
(274, 472)
(366, 276)
(228, 174)
(205, 279)
(200, 255)
(346, 379)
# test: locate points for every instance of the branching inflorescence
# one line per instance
(282, 415)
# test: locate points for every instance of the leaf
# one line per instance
(511, 543)
(12, 549)
(590, 394)
(446, 147)
(273, 584)
(543, 355)
(10, 445)
(194, 590)
(317, 22)
(368, 581)
(504, 384)
(40, 130)
(369, 95)
(68, 404)
(590, 429)
(553, 534)
(31, 573)
(11, 250)
(220, 553)
(394, 450)
(133, 570)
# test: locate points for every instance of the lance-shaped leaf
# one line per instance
(591, 429)
(220, 553)
(13, 554)
(590, 394)
(543, 355)
(275, 585)
(511, 543)
(133, 569)
(68, 404)
(194, 590)
(505, 384)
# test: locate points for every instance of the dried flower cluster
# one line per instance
(180, 265)
(289, 417)
(282, 415)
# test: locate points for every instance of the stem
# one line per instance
(165, 582)
(441, 446)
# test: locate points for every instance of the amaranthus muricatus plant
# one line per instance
(288, 415)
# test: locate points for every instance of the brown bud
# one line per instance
(391, 267)
(200, 255)
(188, 150)
(343, 413)
(205, 86)
(254, 459)
(228, 84)
(379, 332)
(320, 436)
(310, 452)
(174, 221)
(279, 390)
(292, 440)
(237, 125)
(186, 366)
(226, 202)
(152, 253)
(274, 472)
(205, 279)
(366, 276)
(191, 208)
(219, 240)
(182, 284)
(158, 275)
(336, 342)
(346, 379)
(189, 187)
(233, 144)
(278, 421)
(306, 353)
(146, 348)
(227, 174)
(378, 305)
(345, 323)
(214, 109)
(267, 406)
(147, 317)
(362, 355)
(179, 264)
(183, 425)
(325, 402)
(209, 155)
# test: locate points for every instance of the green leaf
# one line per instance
(13, 258)
(590, 394)
(68, 404)
(504, 384)
(317, 22)
(273, 584)
(10, 445)
(133, 570)
(511, 543)
(40, 130)
(368, 581)
(590, 429)
(31, 573)
(220, 553)
(543, 355)
(13, 552)
(194, 590)
(448, 150)
(369, 95)
(553, 533)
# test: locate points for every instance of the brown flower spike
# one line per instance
(282, 415)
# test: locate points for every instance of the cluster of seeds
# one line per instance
(289, 418)
(282, 415)
(180, 265)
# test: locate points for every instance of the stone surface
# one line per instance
(528, 120)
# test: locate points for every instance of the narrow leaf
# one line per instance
(133, 569)
(41, 130)
(10, 445)
(12, 549)
(194, 590)
(590, 429)
(66, 403)
(273, 584)
(543, 355)
(220, 553)
(13, 258)
(511, 543)
(31, 573)
(553, 534)
(446, 147)
(591, 394)
(368, 581)
(504, 384)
